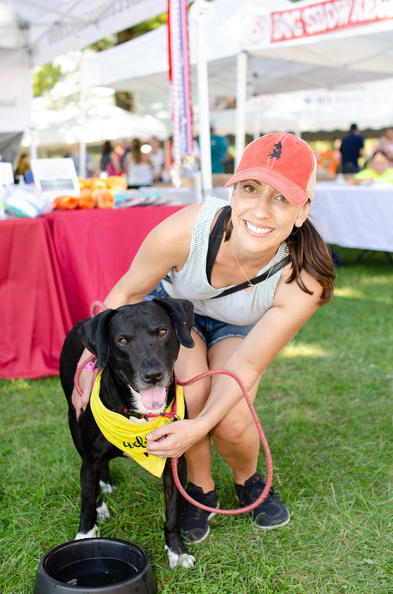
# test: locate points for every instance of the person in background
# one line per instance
(89, 167)
(385, 144)
(351, 149)
(157, 158)
(378, 169)
(263, 230)
(219, 151)
(109, 162)
(22, 166)
(138, 166)
(125, 149)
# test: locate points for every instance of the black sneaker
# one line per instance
(271, 513)
(194, 520)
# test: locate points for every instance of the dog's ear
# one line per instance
(181, 312)
(94, 338)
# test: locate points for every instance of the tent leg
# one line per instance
(203, 99)
(241, 93)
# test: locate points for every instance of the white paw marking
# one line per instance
(107, 487)
(103, 511)
(184, 560)
(90, 534)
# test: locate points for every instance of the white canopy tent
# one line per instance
(368, 104)
(34, 33)
(104, 121)
(257, 47)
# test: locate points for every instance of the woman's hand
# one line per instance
(85, 384)
(173, 439)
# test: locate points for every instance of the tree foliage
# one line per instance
(45, 77)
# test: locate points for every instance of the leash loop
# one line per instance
(269, 462)
(79, 371)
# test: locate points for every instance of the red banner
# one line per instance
(180, 80)
(316, 19)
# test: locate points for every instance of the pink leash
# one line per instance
(269, 462)
(174, 461)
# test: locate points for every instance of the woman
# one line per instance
(378, 169)
(109, 162)
(241, 332)
(157, 158)
(138, 166)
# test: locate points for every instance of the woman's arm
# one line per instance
(166, 247)
(291, 309)
(114, 161)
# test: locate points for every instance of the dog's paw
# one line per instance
(107, 487)
(90, 534)
(183, 560)
(103, 511)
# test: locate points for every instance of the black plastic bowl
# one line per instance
(95, 565)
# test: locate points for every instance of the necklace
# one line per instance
(241, 268)
(250, 284)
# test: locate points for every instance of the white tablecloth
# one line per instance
(354, 216)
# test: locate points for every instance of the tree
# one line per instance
(45, 77)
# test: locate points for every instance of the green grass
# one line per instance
(326, 407)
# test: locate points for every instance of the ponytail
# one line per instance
(309, 252)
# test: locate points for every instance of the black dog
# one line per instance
(136, 347)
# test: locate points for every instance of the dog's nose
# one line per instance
(153, 376)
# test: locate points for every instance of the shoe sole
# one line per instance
(204, 537)
(272, 527)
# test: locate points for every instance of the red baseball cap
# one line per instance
(283, 161)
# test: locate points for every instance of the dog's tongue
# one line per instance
(153, 398)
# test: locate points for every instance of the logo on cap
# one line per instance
(276, 152)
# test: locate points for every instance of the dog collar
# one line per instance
(129, 436)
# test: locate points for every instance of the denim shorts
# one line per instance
(209, 329)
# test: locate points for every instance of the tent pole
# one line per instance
(82, 144)
(203, 99)
(241, 93)
(33, 139)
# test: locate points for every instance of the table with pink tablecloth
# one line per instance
(52, 268)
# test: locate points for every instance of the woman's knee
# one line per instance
(234, 428)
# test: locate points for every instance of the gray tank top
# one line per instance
(240, 308)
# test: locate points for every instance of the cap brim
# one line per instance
(278, 181)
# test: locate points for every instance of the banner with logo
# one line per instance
(86, 22)
(308, 20)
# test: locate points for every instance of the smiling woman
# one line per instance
(213, 254)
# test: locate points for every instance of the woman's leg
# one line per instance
(190, 363)
(236, 436)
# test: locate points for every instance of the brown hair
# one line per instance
(136, 153)
(309, 252)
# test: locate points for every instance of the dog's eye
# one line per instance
(123, 341)
(162, 332)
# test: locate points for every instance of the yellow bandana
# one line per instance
(129, 436)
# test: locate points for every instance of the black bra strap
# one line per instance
(257, 279)
(215, 238)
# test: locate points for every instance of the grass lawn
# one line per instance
(326, 407)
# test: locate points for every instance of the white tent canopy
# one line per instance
(262, 47)
(50, 28)
(284, 52)
(368, 104)
(104, 121)
(34, 33)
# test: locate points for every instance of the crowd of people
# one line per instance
(145, 163)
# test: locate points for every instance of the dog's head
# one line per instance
(140, 344)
